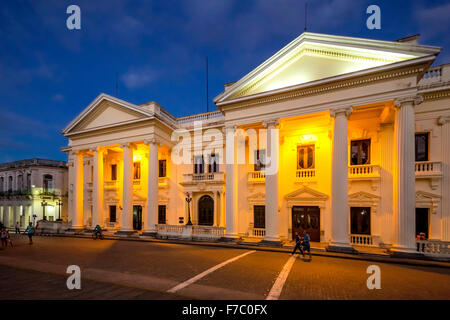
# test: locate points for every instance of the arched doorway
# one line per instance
(206, 211)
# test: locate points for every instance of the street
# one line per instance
(114, 269)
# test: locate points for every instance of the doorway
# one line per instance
(206, 211)
(422, 221)
(306, 219)
(137, 217)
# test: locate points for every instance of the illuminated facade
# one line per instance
(32, 188)
(357, 130)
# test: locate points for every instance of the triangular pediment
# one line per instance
(314, 57)
(106, 111)
(257, 196)
(307, 194)
(362, 196)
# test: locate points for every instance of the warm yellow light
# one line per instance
(137, 157)
(307, 138)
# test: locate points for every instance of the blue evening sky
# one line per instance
(49, 74)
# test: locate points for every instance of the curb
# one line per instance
(362, 256)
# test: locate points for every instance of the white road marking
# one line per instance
(206, 272)
(275, 292)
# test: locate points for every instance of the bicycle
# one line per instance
(97, 235)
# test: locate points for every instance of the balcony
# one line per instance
(367, 171)
(431, 170)
(305, 175)
(111, 185)
(256, 177)
(207, 177)
(163, 182)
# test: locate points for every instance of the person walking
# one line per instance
(17, 227)
(8, 238)
(298, 241)
(3, 237)
(30, 231)
(307, 245)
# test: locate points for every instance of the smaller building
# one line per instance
(33, 190)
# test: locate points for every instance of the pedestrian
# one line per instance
(298, 241)
(8, 238)
(3, 237)
(30, 232)
(17, 227)
(307, 245)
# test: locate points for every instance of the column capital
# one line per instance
(152, 141)
(344, 110)
(128, 145)
(271, 123)
(96, 149)
(443, 120)
(415, 99)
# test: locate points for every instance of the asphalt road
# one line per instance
(113, 269)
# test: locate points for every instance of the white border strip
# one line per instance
(206, 272)
(275, 292)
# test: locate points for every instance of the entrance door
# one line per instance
(422, 221)
(206, 211)
(137, 217)
(306, 219)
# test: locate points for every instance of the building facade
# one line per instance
(345, 138)
(33, 190)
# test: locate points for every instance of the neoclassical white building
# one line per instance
(32, 190)
(345, 138)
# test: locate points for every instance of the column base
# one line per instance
(270, 243)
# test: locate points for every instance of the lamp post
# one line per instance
(59, 203)
(188, 200)
(44, 204)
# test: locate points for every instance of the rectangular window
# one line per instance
(113, 172)
(422, 146)
(137, 170)
(162, 168)
(360, 152)
(199, 164)
(260, 160)
(29, 181)
(112, 213)
(213, 165)
(305, 157)
(259, 217)
(162, 214)
(360, 220)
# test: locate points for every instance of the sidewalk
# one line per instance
(318, 249)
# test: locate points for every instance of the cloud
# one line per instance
(136, 78)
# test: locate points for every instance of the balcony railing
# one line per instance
(433, 75)
(203, 177)
(428, 168)
(364, 171)
(111, 185)
(256, 176)
(434, 247)
(361, 239)
(259, 232)
(305, 174)
(136, 182)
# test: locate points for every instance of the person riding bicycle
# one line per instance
(98, 231)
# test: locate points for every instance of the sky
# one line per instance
(155, 51)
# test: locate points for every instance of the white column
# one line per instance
(404, 191)
(445, 138)
(152, 199)
(271, 171)
(231, 184)
(15, 215)
(127, 192)
(76, 209)
(216, 210)
(97, 189)
(339, 181)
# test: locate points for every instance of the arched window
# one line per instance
(2, 184)
(48, 183)
(206, 211)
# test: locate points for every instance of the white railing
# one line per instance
(361, 239)
(169, 230)
(208, 232)
(305, 174)
(163, 182)
(362, 171)
(427, 168)
(256, 176)
(259, 232)
(136, 182)
(199, 177)
(433, 75)
(434, 247)
(201, 116)
(111, 184)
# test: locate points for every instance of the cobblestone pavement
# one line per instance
(114, 269)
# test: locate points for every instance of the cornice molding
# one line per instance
(443, 120)
(415, 100)
(436, 95)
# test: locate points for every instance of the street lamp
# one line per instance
(44, 204)
(188, 200)
(59, 203)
